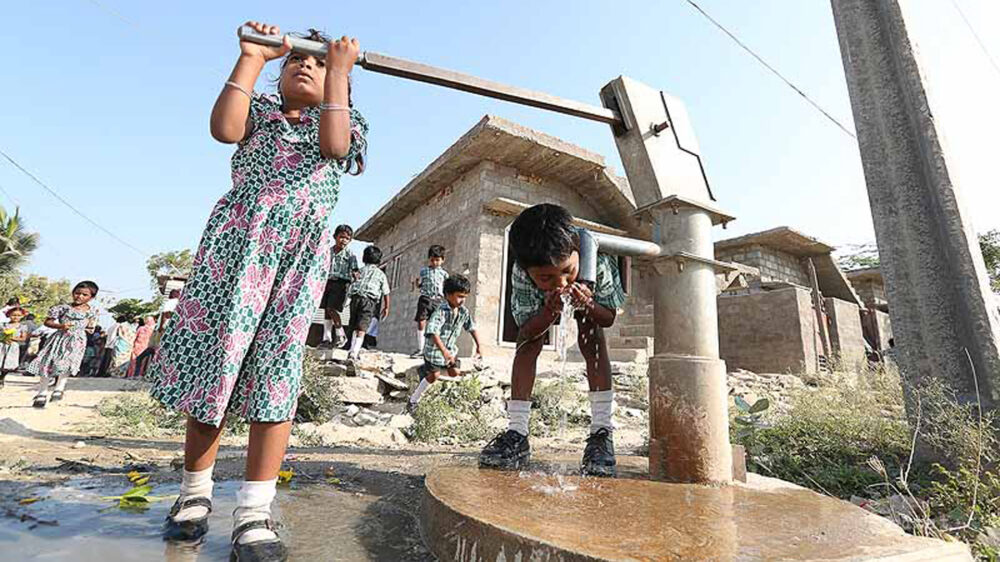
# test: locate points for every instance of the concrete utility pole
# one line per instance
(939, 295)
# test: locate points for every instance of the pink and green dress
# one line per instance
(236, 340)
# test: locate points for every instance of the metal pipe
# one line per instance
(622, 246)
(402, 68)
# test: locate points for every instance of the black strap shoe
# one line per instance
(507, 451)
(599, 455)
(191, 529)
(258, 551)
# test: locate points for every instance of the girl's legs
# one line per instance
(268, 442)
(201, 445)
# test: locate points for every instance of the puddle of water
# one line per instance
(319, 523)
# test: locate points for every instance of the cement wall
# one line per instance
(474, 240)
(774, 265)
(768, 332)
(846, 336)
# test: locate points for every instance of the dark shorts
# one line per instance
(425, 306)
(335, 295)
(427, 368)
(363, 309)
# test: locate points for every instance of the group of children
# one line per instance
(236, 340)
(441, 314)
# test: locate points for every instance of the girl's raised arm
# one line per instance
(335, 121)
(230, 121)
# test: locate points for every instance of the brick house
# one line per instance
(769, 321)
(466, 200)
(870, 286)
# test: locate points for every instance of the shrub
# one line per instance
(452, 409)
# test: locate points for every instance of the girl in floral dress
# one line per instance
(14, 334)
(236, 340)
(63, 352)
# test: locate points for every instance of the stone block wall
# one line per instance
(846, 336)
(474, 240)
(774, 265)
(768, 332)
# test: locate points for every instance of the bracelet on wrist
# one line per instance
(236, 86)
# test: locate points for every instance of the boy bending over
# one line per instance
(547, 262)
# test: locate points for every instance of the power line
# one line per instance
(71, 207)
(772, 69)
(9, 196)
(975, 35)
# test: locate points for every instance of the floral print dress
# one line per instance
(236, 340)
(63, 351)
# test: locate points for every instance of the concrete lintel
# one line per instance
(677, 202)
(510, 207)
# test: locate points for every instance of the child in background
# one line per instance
(343, 270)
(15, 333)
(443, 328)
(370, 293)
(62, 354)
(546, 249)
(431, 284)
(236, 340)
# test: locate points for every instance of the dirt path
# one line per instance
(64, 454)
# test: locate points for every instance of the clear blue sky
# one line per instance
(107, 101)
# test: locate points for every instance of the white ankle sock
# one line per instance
(517, 415)
(328, 330)
(340, 333)
(420, 340)
(61, 382)
(43, 385)
(421, 388)
(195, 484)
(356, 343)
(253, 502)
(602, 406)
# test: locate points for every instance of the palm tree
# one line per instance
(16, 244)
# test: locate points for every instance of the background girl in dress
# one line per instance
(14, 334)
(62, 354)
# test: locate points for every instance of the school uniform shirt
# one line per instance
(372, 283)
(526, 300)
(432, 282)
(448, 324)
(343, 264)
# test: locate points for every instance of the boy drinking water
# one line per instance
(547, 262)
(431, 285)
(444, 327)
(369, 296)
(343, 270)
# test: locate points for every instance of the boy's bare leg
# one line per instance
(594, 348)
(522, 377)
(201, 445)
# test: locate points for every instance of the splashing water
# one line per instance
(564, 339)
(560, 486)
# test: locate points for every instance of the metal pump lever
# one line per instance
(384, 64)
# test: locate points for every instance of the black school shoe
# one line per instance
(599, 455)
(190, 530)
(507, 451)
(257, 551)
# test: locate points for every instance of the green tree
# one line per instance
(989, 243)
(177, 262)
(38, 294)
(130, 309)
(16, 243)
